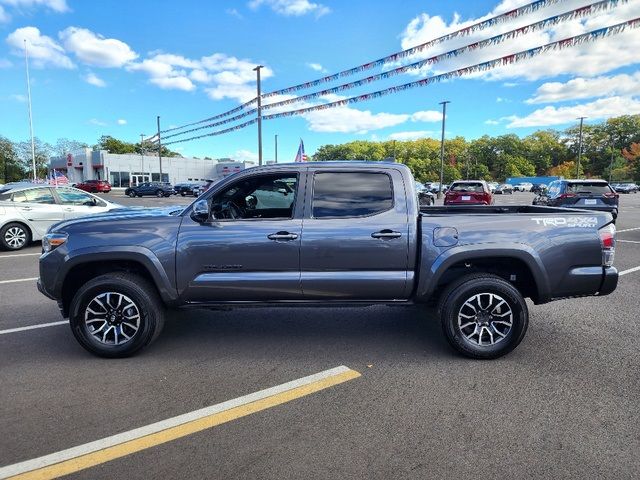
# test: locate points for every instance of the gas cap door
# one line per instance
(445, 236)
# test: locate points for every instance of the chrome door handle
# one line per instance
(282, 236)
(386, 234)
(26, 209)
(68, 209)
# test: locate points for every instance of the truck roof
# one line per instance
(332, 164)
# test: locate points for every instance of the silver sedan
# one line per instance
(28, 210)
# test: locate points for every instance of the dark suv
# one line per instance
(587, 194)
(150, 188)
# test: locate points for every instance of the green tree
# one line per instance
(11, 168)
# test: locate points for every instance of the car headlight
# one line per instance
(52, 241)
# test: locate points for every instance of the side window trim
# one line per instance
(312, 177)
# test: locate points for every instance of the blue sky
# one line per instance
(110, 67)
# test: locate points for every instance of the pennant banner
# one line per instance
(219, 132)
(541, 25)
(222, 122)
(222, 115)
(480, 67)
(524, 10)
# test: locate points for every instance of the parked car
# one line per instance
(468, 192)
(538, 188)
(150, 188)
(584, 194)
(184, 189)
(625, 187)
(94, 186)
(493, 186)
(28, 210)
(503, 189)
(203, 187)
(425, 197)
(523, 187)
(477, 262)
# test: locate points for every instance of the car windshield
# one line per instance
(588, 188)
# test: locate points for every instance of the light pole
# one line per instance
(159, 150)
(276, 148)
(257, 70)
(444, 113)
(33, 146)
(142, 155)
(579, 147)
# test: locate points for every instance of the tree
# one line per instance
(42, 154)
(632, 156)
(565, 169)
(64, 146)
(11, 169)
(114, 145)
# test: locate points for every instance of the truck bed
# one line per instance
(496, 209)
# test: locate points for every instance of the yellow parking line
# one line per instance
(72, 460)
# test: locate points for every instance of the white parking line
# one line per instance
(122, 444)
(20, 255)
(631, 270)
(627, 241)
(33, 327)
(628, 230)
(19, 280)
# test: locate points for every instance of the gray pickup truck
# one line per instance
(331, 233)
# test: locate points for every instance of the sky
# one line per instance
(110, 67)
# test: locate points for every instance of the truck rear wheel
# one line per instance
(483, 316)
(116, 314)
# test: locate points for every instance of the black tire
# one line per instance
(159, 193)
(452, 302)
(132, 193)
(182, 194)
(139, 195)
(140, 291)
(14, 236)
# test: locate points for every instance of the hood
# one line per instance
(124, 213)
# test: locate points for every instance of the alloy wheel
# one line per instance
(15, 237)
(112, 318)
(485, 319)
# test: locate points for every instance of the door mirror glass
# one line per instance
(200, 211)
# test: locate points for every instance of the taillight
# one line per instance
(567, 195)
(608, 243)
(611, 195)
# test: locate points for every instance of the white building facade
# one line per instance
(124, 170)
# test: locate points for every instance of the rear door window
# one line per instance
(467, 187)
(36, 195)
(351, 194)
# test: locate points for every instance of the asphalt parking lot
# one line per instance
(564, 404)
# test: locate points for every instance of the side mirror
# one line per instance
(200, 211)
(283, 191)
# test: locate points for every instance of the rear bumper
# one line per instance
(609, 281)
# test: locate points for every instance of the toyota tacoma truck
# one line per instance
(327, 233)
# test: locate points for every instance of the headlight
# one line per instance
(52, 241)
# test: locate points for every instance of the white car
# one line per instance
(523, 187)
(27, 210)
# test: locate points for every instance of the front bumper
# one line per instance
(43, 290)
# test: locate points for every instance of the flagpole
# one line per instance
(33, 147)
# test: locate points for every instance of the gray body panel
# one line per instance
(337, 259)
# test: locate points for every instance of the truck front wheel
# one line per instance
(116, 314)
(483, 316)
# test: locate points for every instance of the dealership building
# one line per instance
(123, 170)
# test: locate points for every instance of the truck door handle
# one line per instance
(282, 236)
(386, 234)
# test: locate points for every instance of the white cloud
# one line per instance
(245, 156)
(427, 116)
(43, 50)
(18, 97)
(93, 79)
(491, 122)
(579, 88)
(173, 83)
(411, 135)
(350, 120)
(596, 110)
(317, 67)
(292, 8)
(587, 59)
(96, 122)
(94, 49)
(4, 16)
(242, 93)
(121, 121)
(59, 6)
(234, 13)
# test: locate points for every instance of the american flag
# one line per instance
(300, 156)
(57, 178)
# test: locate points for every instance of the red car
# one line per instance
(468, 192)
(95, 186)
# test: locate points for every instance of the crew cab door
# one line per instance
(250, 250)
(355, 235)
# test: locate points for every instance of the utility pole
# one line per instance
(257, 70)
(276, 148)
(159, 150)
(579, 148)
(444, 113)
(142, 155)
(611, 162)
(33, 146)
